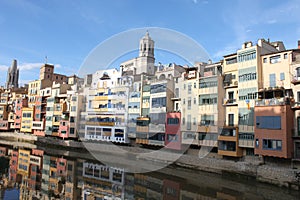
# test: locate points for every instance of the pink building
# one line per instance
(173, 133)
(63, 130)
(13, 165)
(20, 103)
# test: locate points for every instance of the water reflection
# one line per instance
(59, 174)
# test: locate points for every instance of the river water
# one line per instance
(45, 173)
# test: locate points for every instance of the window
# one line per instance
(189, 89)
(275, 59)
(272, 144)
(72, 119)
(265, 60)
(282, 76)
(268, 122)
(230, 119)
(195, 101)
(72, 130)
(285, 56)
(256, 143)
(184, 86)
(189, 103)
(189, 124)
(172, 138)
(231, 60)
(272, 79)
(159, 102)
(73, 108)
(195, 85)
(172, 121)
(183, 120)
(177, 92)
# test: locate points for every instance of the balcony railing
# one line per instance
(272, 102)
(229, 102)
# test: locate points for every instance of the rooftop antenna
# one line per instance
(46, 59)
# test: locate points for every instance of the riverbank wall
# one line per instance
(253, 167)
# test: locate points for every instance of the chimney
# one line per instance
(298, 44)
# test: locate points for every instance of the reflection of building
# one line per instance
(102, 182)
(13, 166)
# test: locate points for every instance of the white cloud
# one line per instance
(3, 68)
(29, 66)
(272, 21)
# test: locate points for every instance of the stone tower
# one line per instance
(46, 71)
(12, 79)
(146, 56)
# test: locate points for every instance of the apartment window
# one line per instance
(189, 124)
(183, 120)
(272, 144)
(159, 102)
(173, 121)
(230, 119)
(285, 56)
(189, 103)
(177, 92)
(256, 143)
(268, 122)
(194, 121)
(189, 89)
(195, 101)
(172, 138)
(282, 76)
(272, 79)
(72, 119)
(265, 60)
(72, 130)
(195, 85)
(183, 101)
(275, 59)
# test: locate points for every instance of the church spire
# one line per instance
(12, 79)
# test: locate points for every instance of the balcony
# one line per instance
(246, 128)
(207, 128)
(230, 102)
(296, 105)
(232, 84)
(296, 80)
(272, 102)
(157, 128)
(134, 110)
(246, 143)
(156, 142)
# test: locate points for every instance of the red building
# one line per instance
(171, 190)
(13, 165)
(61, 167)
(63, 130)
(274, 124)
(20, 103)
(38, 123)
(173, 133)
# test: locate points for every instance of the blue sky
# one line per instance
(66, 31)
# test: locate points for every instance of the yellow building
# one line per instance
(23, 162)
(27, 118)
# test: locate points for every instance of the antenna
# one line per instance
(46, 59)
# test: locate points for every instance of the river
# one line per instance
(45, 173)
